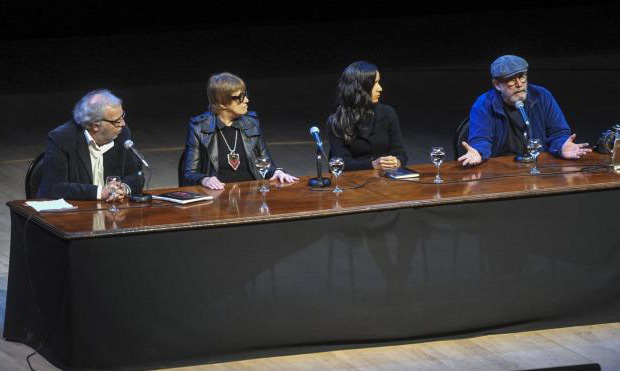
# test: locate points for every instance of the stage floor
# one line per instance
(518, 351)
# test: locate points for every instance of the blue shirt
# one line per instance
(489, 124)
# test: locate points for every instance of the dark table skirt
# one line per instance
(195, 296)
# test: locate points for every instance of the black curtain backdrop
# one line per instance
(434, 61)
(70, 44)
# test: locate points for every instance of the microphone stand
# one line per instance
(319, 181)
(526, 157)
(141, 197)
(527, 134)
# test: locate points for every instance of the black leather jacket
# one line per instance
(201, 157)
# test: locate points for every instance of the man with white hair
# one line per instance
(81, 153)
(496, 127)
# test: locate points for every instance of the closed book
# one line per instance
(182, 197)
(400, 173)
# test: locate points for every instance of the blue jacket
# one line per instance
(488, 126)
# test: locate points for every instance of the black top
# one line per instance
(515, 141)
(67, 169)
(225, 172)
(383, 138)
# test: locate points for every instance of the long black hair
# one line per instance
(354, 108)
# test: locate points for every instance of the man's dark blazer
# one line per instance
(67, 169)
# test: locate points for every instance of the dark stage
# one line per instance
(434, 64)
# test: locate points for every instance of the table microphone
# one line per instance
(129, 145)
(314, 131)
(521, 108)
(138, 197)
(319, 181)
(527, 133)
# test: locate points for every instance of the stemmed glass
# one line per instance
(437, 156)
(336, 165)
(534, 146)
(113, 183)
(263, 164)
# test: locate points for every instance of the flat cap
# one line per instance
(507, 66)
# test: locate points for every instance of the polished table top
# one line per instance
(238, 203)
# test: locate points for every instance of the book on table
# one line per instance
(400, 173)
(182, 197)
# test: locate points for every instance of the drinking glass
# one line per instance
(113, 183)
(437, 156)
(534, 146)
(263, 164)
(336, 165)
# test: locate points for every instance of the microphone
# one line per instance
(139, 196)
(319, 181)
(314, 131)
(129, 145)
(519, 105)
(527, 133)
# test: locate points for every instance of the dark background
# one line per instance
(433, 56)
(69, 44)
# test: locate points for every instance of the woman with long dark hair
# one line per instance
(364, 132)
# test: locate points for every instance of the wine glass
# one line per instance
(336, 165)
(263, 164)
(437, 156)
(534, 146)
(113, 183)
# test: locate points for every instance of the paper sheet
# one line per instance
(59, 204)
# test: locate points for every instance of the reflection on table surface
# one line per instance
(363, 191)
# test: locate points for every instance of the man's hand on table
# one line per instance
(111, 193)
(471, 158)
(572, 150)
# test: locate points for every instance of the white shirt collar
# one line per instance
(92, 145)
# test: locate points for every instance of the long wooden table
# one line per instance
(499, 178)
(493, 249)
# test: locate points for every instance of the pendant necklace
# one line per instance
(233, 157)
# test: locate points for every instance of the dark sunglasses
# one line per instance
(240, 98)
